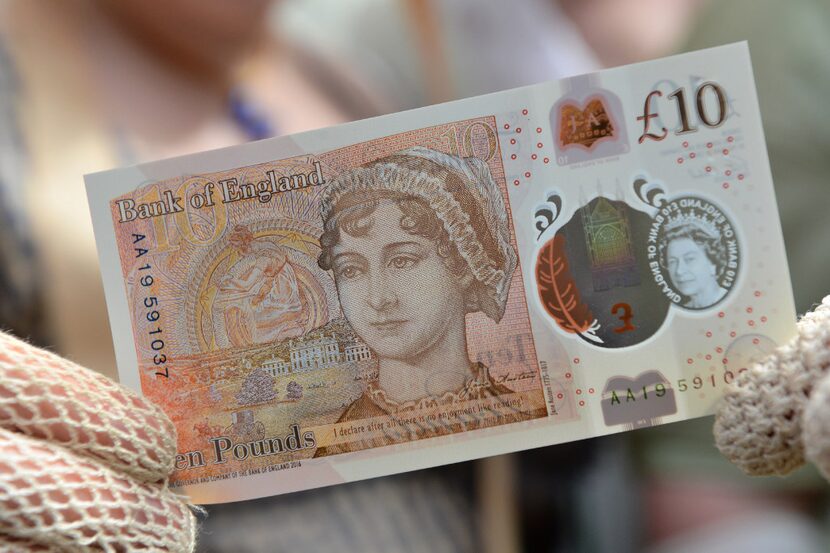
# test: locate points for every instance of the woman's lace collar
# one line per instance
(478, 381)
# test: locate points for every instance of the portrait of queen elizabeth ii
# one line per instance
(416, 241)
(695, 258)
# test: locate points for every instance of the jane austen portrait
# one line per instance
(416, 241)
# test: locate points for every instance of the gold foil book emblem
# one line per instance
(584, 126)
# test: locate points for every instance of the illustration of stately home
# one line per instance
(358, 352)
(608, 239)
(317, 353)
(275, 366)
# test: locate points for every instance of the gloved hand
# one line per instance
(778, 411)
(84, 462)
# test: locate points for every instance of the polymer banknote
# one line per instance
(544, 264)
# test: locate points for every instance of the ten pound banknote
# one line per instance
(526, 268)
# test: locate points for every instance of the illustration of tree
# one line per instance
(294, 390)
(258, 387)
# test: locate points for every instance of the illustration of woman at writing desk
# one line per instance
(259, 299)
(416, 240)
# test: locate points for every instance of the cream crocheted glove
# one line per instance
(778, 412)
(83, 462)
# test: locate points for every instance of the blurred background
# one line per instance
(87, 85)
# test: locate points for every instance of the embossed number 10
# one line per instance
(679, 96)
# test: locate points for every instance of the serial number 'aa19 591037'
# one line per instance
(151, 310)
